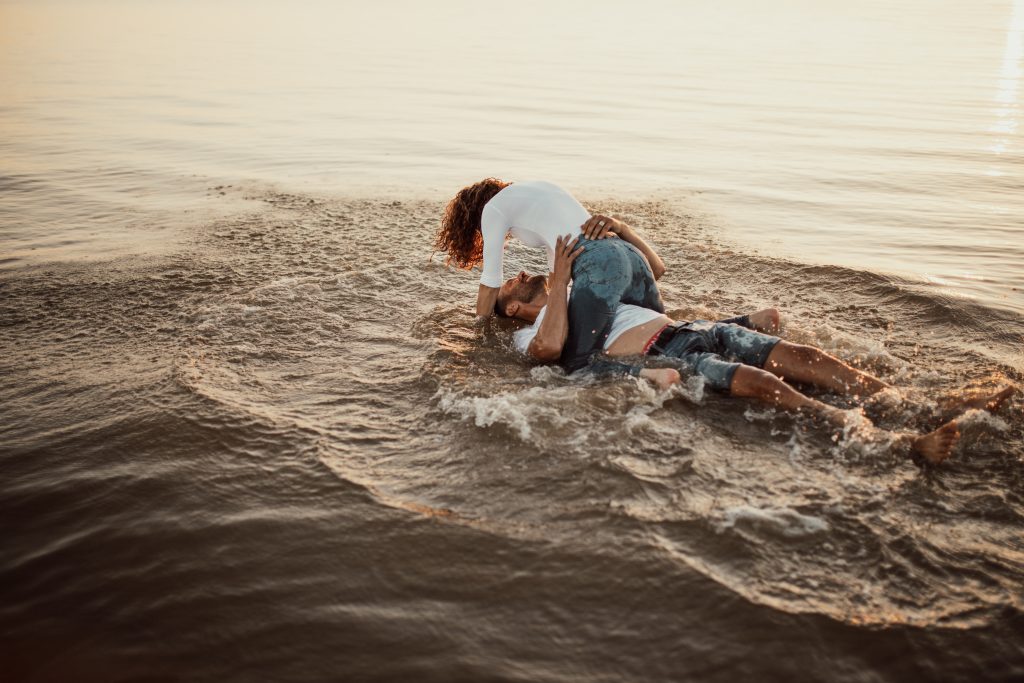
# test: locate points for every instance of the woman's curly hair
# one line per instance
(459, 235)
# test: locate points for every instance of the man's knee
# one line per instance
(749, 381)
(787, 353)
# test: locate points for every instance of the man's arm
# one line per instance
(599, 226)
(554, 328)
(547, 345)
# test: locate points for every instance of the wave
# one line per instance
(315, 334)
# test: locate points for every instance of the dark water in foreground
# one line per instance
(280, 451)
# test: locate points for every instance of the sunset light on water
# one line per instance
(253, 427)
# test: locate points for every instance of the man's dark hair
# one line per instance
(499, 308)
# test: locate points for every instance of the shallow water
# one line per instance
(285, 451)
(250, 432)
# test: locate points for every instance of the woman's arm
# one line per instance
(485, 299)
(633, 237)
(493, 229)
(598, 227)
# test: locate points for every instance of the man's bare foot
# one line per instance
(663, 377)
(938, 445)
(766, 320)
(978, 401)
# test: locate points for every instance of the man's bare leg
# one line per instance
(808, 365)
(980, 400)
(750, 382)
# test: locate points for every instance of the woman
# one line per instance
(480, 217)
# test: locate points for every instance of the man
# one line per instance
(730, 357)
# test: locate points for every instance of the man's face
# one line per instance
(523, 288)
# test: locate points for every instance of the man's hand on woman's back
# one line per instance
(565, 253)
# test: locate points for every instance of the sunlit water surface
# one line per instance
(249, 431)
(884, 136)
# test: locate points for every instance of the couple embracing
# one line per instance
(599, 309)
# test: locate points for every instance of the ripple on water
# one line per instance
(292, 346)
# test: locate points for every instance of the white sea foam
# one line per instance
(781, 520)
(846, 346)
(983, 420)
(760, 414)
(795, 449)
(522, 412)
(861, 441)
(638, 420)
(692, 389)
(550, 408)
(890, 399)
(638, 417)
(548, 374)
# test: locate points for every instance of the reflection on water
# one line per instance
(1007, 109)
(853, 133)
(288, 438)
(249, 430)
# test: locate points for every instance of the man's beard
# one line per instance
(538, 285)
(532, 288)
